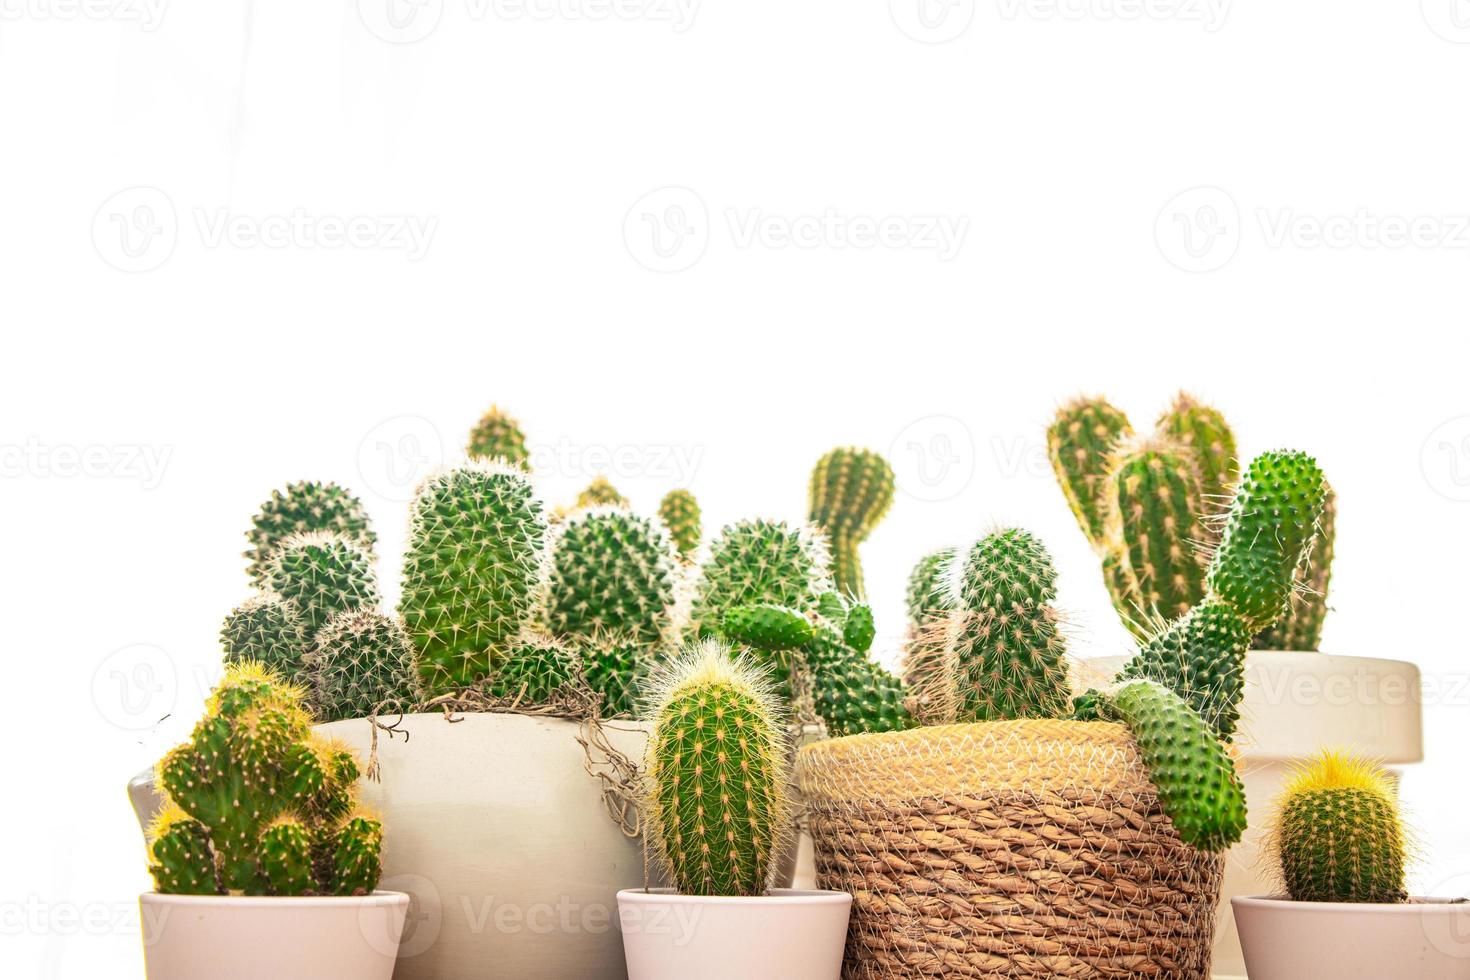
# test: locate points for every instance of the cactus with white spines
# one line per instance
(849, 493)
(1300, 627)
(611, 572)
(359, 660)
(301, 508)
(321, 573)
(266, 629)
(757, 561)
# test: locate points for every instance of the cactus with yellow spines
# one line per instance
(717, 768)
(301, 508)
(680, 514)
(1204, 433)
(1300, 628)
(849, 493)
(322, 573)
(1079, 442)
(498, 436)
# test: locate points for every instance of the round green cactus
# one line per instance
(320, 574)
(1203, 431)
(537, 668)
(611, 571)
(498, 436)
(614, 667)
(1079, 442)
(718, 772)
(474, 551)
(927, 596)
(758, 561)
(601, 493)
(359, 660)
(853, 693)
(1301, 627)
(680, 513)
(301, 508)
(850, 492)
(268, 630)
(1201, 658)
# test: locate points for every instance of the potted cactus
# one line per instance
(1339, 846)
(717, 773)
(264, 863)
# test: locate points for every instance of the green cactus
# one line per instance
(1201, 658)
(498, 436)
(1268, 534)
(718, 772)
(850, 492)
(615, 668)
(767, 626)
(536, 669)
(469, 574)
(1203, 431)
(925, 672)
(258, 805)
(1338, 834)
(266, 629)
(858, 628)
(1301, 627)
(1079, 442)
(601, 493)
(1008, 656)
(927, 597)
(679, 512)
(853, 693)
(301, 508)
(321, 573)
(758, 561)
(611, 572)
(359, 660)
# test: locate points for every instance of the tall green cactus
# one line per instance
(679, 512)
(850, 492)
(611, 572)
(321, 573)
(474, 550)
(1079, 442)
(303, 507)
(268, 630)
(758, 561)
(498, 436)
(258, 805)
(1301, 627)
(717, 767)
(359, 660)
(1202, 431)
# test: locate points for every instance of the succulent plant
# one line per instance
(768, 626)
(1301, 626)
(717, 767)
(498, 436)
(257, 804)
(1202, 431)
(679, 512)
(927, 596)
(928, 600)
(535, 670)
(601, 493)
(758, 561)
(1200, 657)
(614, 667)
(321, 573)
(303, 507)
(850, 492)
(611, 572)
(853, 693)
(265, 629)
(1079, 443)
(1338, 833)
(359, 660)
(475, 545)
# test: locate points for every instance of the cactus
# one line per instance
(858, 628)
(614, 667)
(359, 660)
(1201, 658)
(1268, 534)
(850, 492)
(1203, 432)
(679, 512)
(469, 574)
(927, 597)
(1301, 627)
(767, 626)
(1079, 441)
(258, 805)
(1008, 656)
(717, 767)
(534, 671)
(498, 436)
(758, 561)
(924, 668)
(611, 571)
(1338, 834)
(321, 573)
(853, 693)
(601, 493)
(303, 507)
(268, 630)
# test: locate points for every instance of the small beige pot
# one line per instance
(787, 933)
(1423, 939)
(227, 937)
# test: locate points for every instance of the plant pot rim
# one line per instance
(278, 901)
(1416, 905)
(776, 896)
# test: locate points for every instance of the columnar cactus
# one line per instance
(1301, 627)
(717, 768)
(1200, 657)
(601, 493)
(321, 573)
(303, 507)
(258, 805)
(359, 660)
(927, 597)
(267, 630)
(611, 572)
(1079, 441)
(1203, 432)
(498, 436)
(469, 575)
(850, 492)
(758, 561)
(1338, 833)
(680, 513)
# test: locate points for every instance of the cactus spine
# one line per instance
(1203, 432)
(611, 572)
(498, 436)
(717, 774)
(265, 629)
(321, 573)
(1079, 441)
(850, 492)
(679, 512)
(359, 660)
(1338, 833)
(1301, 627)
(758, 561)
(301, 508)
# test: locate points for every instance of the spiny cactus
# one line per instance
(717, 768)
(303, 507)
(615, 667)
(858, 628)
(1079, 441)
(680, 513)
(601, 493)
(924, 670)
(853, 693)
(258, 805)
(1338, 834)
(767, 626)
(612, 572)
(321, 573)
(265, 629)
(1203, 431)
(498, 436)
(1268, 534)
(535, 670)
(850, 492)
(359, 660)
(1201, 658)
(758, 561)
(469, 574)
(927, 597)
(1301, 627)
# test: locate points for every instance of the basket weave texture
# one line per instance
(1007, 849)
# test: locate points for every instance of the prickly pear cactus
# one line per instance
(1079, 441)
(1301, 627)
(258, 805)
(612, 572)
(320, 573)
(359, 660)
(679, 512)
(268, 630)
(758, 561)
(850, 492)
(1201, 658)
(717, 768)
(474, 550)
(1203, 432)
(767, 626)
(301, 508)
(498, 436)
(601, 493)
(1338, 833)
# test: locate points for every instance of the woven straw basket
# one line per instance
(1006, 849)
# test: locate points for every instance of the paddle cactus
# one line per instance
(265, 629)
(359, 660)
(850, 492)
(679, 512)
(498, 436)
(1301, 627)
(611, 572)
(258, 805)
(767, 626)
(1079, 442)
(321, 573)
(758, 561)
(1203, 432)
(717, 767)
(303, 507)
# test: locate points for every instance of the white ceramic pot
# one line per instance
(786, 935)
(225, 937)
(1296, 704)
(1424, 939)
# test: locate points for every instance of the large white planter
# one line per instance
(222, 937)
(1296, 704)
(786, 934)
(1425, 939)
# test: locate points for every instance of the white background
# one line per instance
(1140, 198)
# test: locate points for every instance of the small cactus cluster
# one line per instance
(1338, 834)
(258, 805)
(299, 508)
(679, 512)
(850, 492)
(758, 561)
(498, 436)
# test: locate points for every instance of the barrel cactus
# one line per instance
(266, 629)
(1079, 443)
(850, 492)
(1300, 627)
(758, 561)
(359, 660)
(535, 671)
(498, 436)
(300, 508)
(611, 572)
(679, 512)
(322, 573)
